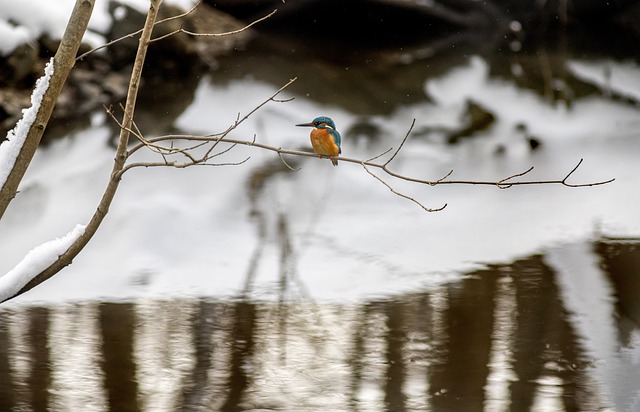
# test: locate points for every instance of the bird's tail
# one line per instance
(334, 161)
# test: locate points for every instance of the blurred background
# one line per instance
(255, 287)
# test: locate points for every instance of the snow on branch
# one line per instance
(16, 137)
(37, 260)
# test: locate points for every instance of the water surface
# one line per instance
(255, 287)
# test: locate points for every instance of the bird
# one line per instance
(325, 139)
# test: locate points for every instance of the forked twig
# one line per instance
(395, 192)
(564, 181)
(502, 185)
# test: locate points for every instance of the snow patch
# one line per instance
(27, 20)
(11, 37)
(609, 76)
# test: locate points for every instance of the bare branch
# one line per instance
(270, 99)
(501, 183)
(214, 140)
(179, 16)
(443, 178)
(182, 165)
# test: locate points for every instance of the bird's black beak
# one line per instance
(306, 124)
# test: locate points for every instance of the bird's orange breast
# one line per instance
(323, 143)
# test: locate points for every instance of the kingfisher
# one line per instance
(325, 139)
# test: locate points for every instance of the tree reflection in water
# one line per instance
(502, 339)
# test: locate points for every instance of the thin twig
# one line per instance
(406, 136)
(182, 165)
(395, 192)
(211, 156)
(501, 184)
(380, 155)
(564, 181)
(240, 121)
(135, 33)
(443, 178)
(287, 164)
(163, 151)
(181, 30)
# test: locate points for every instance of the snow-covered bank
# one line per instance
(26, 20)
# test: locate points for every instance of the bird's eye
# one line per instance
(316, 123)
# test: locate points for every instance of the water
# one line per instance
(254, 287)
(508, 337)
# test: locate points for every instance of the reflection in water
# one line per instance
(73, 348)
(500, 340)
(117, 323)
